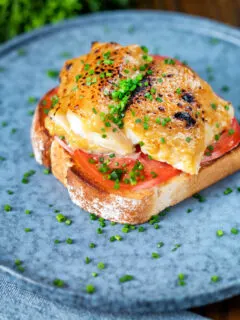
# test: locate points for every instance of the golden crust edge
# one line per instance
(137, 207)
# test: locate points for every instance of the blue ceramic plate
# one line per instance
(188, 230)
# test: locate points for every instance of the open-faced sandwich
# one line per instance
(130, 134)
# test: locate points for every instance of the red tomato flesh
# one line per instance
(228, 140)
(153, 172)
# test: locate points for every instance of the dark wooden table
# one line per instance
(227, 11)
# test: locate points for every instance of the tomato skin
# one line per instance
(225, 144)
(82, 158)
(162, 170)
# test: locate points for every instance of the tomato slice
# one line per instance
(156, 172)
(90, 169)
(228, 141)
(153, 172)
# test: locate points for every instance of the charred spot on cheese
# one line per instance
(162, 109)
(185, 116)
(68, 66)
(188, 97)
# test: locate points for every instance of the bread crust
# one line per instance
(123, 207)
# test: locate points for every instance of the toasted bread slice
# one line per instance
(123, 206)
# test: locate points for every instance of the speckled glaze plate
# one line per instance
(187, 230)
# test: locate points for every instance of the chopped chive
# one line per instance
(77, 77)
(181, 279)
(227, 191)
(94, 274)
(112, 239)
(144, 49)
(10, 192)
(220, 233)
(68, 222)
(214, 106)
(125, 229)
(162, 140)
(58, 283)
(176, 247)
(178, 90)
(46, 171)
(30, 112)
(21, 268)
(231, 132)
(188, 139)
(56, 241)
(99, 230)
(234, 231)
(4, 123)
(27, 229)
(169, 61)
(28, 211)
(159, 99)
(7, 207)
(90, 289)
(199, 197)
(160, 244)
(87, 260)
(69, 241)
(92, 245)
(51, 73)
(225, 88)
(101, 266)
(18, 262)
(155, 255)
(61, 218)
(181, 276)
(215, 278)
(126, 278)
(32, 99)
(93, 216)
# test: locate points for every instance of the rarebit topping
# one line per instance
(115, 98)
(176, 115)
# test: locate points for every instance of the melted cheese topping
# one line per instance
(174, 113)
(195, 112)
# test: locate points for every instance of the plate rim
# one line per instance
(207, 27)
